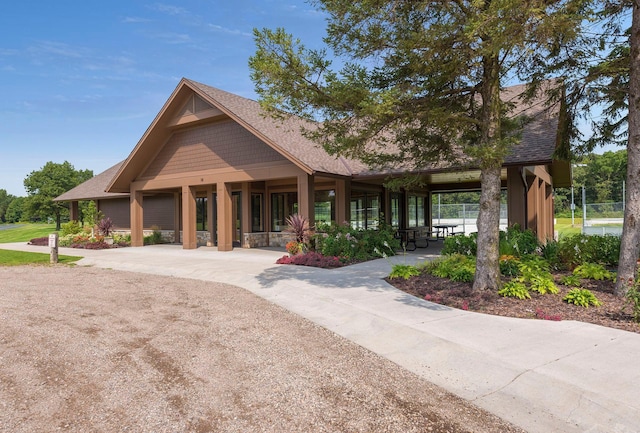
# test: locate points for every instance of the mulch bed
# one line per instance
(614, 312)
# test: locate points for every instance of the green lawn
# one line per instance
(16, 258)
(563, 226)
(26, 232)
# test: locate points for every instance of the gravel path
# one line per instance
(93, 350)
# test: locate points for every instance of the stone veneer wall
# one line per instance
(255, 240)
(251, 240)
(280, 239)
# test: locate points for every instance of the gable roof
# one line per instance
(94, 188)
(536, 147)
(284, 137)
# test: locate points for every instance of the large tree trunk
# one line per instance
(488, 265)
(488, 257)
(630, 244)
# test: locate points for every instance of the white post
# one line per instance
(438, 208)
(584, 208)
(464, 219)
(53, 244)
(573, 209)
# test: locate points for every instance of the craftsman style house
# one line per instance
(213, 169)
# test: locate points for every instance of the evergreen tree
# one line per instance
(421, 82)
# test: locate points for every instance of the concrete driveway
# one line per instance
(542, 376)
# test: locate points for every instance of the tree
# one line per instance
(5, 199)
(630, 242)
(614, 82)
(15, 210)
(48, 183)
(602, 175)
(421, 82)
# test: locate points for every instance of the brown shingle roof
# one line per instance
(537, 145)
(285, 136)
(94, 188)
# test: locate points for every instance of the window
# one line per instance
(201, 213)
(257, 224)
(396, 210)
(283, 205)
(416, 205)
(325, 207)
(365, 210)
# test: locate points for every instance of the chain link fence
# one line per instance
(603, 218)
(464, 215)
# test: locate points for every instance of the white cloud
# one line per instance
(128, 20)
(170, 9)
(218, 28)
(56, 49)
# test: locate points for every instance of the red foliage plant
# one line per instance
(540, 314)
(314, 259)
(41, 242)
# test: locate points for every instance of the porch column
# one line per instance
(210, 227)
(548, 212)
(225, 217)
(245, 211)
(74, 212)
(306, 197)
(137, 218)
(533, 195)
(516, 202)
(189, 239)
(343, 201)
(403, 222)
(176, 217)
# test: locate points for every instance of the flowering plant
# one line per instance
(294, 247)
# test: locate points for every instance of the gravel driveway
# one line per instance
(94, 350)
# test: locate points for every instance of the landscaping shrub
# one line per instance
(456, 267)
(105, 226)
(41, 242)
(571, 281)
(154, 238)
(543, 284)
(517, 242)
(311, 258)
(403, 271)
(299, 226)
(593, 271)
(581, 297)
(633, 299)
(509, 266)
(551, 253)
(515, 289)
(352, 244)
(70, 228)
(514, 242)
(540, 314)
(461, 244)
(577, 249)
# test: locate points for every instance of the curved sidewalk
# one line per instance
(543, 376)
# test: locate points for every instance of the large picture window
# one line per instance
(325, 207)
(365, 210)
(282, 206)
(396, 209)
(416, 206)
(257, 224)
(201, 213)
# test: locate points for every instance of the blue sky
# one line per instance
(82, 81)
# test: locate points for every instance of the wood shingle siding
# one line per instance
(159, 212)
(220, 145)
